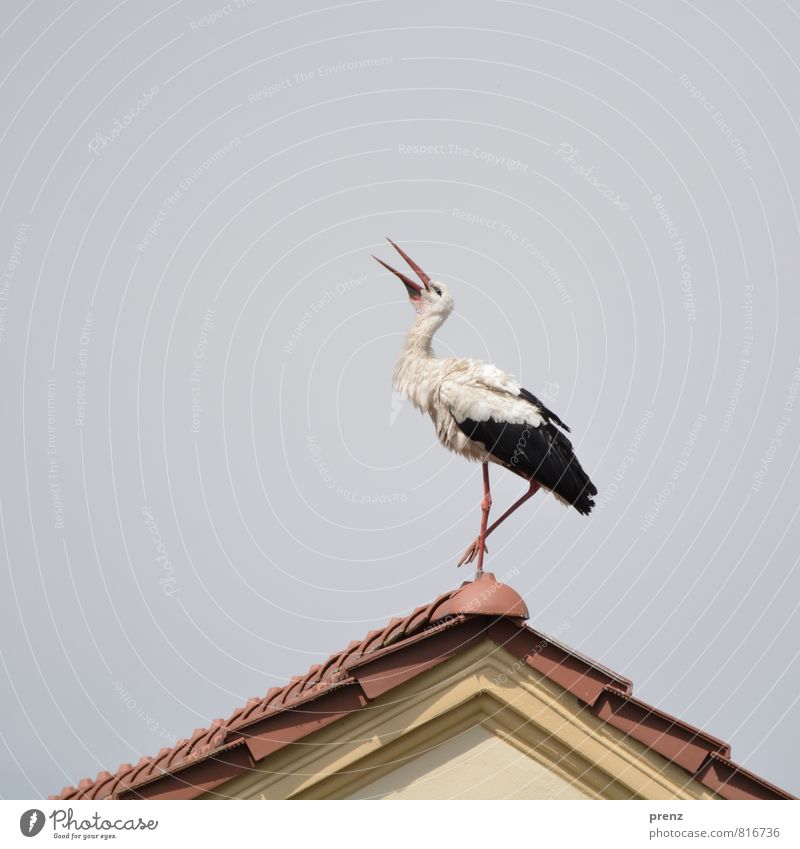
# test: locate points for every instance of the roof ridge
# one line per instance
(372, 665)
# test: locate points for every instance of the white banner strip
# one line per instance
(404, 824)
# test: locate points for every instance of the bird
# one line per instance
(482, 413)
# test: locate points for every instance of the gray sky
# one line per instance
(208, 484)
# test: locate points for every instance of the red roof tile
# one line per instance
(391, 655)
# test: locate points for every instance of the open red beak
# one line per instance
(411, 287)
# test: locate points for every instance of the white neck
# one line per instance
(416, 370)
(419, 339)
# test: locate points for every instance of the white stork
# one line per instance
(482, 413)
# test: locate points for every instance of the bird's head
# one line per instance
(431, 298)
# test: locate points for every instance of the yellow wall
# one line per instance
(475, 764)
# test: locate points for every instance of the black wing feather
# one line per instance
(536, 452)
(548, 414)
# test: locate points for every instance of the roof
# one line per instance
(350, 679)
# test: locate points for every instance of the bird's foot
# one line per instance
(472, 552)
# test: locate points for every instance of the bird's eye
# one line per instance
(437, 290)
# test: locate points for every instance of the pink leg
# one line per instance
(486, 506)
(477, 547)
